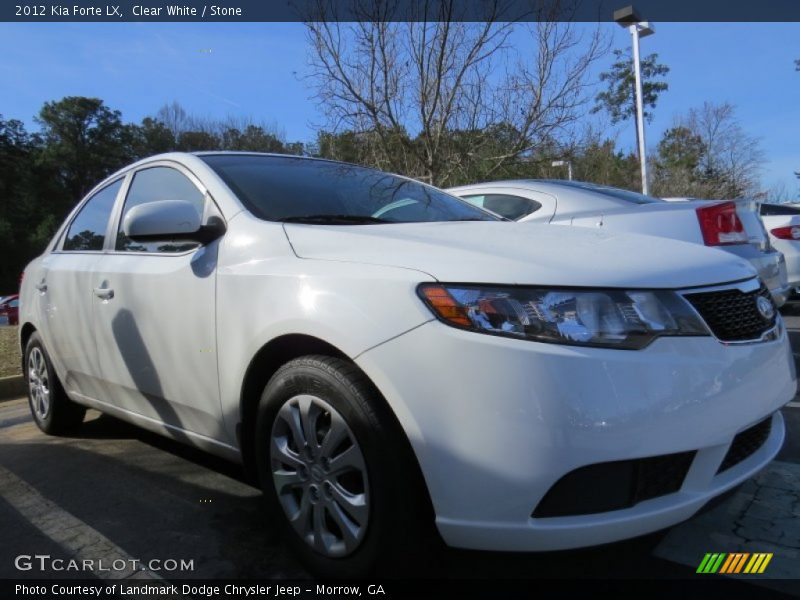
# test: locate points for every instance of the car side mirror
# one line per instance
(170, 220)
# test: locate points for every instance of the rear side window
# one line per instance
(88, 229)
(771, 210)
(505, 205)
(152, 185)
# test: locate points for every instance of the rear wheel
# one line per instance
(336, 472)
(52, 410)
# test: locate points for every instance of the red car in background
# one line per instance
(9, 308)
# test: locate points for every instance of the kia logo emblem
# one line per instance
(765, 308)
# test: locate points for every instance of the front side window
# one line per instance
(87, 232)
(151, 185)
(505, 205)
(325, 192)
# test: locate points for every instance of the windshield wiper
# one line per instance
(334, 219)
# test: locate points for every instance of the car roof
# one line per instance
(273, 155)
(542, 184)
(571, 195)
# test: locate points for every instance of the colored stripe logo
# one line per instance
(735, 562)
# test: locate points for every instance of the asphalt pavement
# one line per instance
(112, 492)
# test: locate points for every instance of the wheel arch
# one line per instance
(269, 358)
(25, 333)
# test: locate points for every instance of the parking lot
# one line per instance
(112, 491)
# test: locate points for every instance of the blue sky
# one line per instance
(257, 69)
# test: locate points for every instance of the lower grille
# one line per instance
(614, 485)
(746, 443)
(733, 315)
(661, 475)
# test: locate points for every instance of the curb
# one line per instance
(12, 387)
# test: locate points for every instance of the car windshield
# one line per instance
(617, 193)
(277, 188)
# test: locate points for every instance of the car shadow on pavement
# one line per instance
(146, 492)
(107, 427)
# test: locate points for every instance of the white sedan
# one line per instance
(727, 225)
(390, 358)
(782, 221)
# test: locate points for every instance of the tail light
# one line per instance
(721, 225)
(791, 232)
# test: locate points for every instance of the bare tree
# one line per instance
(778, 193)
(192, 132)
(174, 118)
(442, 99)
(731, 162)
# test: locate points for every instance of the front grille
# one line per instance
(733, 315)
(746, 443)
(614, 485)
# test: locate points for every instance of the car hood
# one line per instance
(522, 253)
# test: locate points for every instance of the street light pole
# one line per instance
(561, 163)
(628, 17)
(637, 69)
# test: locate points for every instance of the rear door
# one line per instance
(63, 285)
(154, 319)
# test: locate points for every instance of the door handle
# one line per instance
(104, 293)
(42, 287)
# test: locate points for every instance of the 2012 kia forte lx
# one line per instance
(390, 357)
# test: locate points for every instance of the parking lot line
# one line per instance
(793, 405)
(79, 541)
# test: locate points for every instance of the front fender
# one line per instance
(351, 306)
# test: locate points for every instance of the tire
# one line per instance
(51, 409)
(385, 510)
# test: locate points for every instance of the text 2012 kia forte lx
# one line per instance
(390, 357)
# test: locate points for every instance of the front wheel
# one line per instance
(52, 410)
(336, 470)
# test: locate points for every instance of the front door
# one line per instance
(155, 322)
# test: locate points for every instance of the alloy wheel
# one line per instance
(320, 475)
(39, 383)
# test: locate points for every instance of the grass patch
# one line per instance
(10, 358)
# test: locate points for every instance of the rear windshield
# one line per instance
(617, 193)
(779, 210)
(277, 188)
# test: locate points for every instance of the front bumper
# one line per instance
(781, 295)
(496, 422)
(771, 268)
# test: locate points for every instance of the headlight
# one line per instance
(627, 319)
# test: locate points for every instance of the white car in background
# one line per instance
(388, 356)
(782, 222)
(729, 226)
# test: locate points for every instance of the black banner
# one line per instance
(394, 10)
(391, 589)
